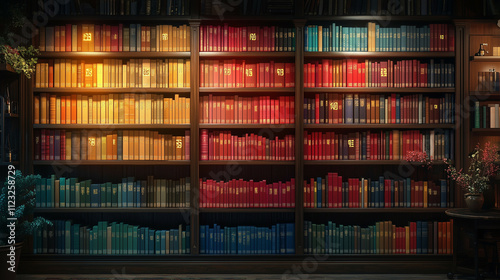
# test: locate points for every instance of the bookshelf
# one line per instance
(280, 170)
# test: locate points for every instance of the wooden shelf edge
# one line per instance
(377, 90)
(362, 162)
(249, 54)
(375, 210)
(379, 126)
(379, 54)
(110, 162)
(111, 90)
(111, 126)
(246, 90)
(245, 162)
(110, 210)
(245, 126)
(150, 54)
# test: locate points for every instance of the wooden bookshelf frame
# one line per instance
(195, 262)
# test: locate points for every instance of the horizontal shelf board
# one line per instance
(374, 210)
(242, 19)
(378, 18)
(111, 126)
(246, 162)
(246, 90)
(248, 54)
(360, 162)
(378, 126)
(119, 18)
(377, 89)
(107, 55)
(3, 163)
(111, 90)
(111, 162)
(485, 58)
(109, 210)
(378, 54)
(485, 94)
(247, 210)
(246, 126)
(10, 115)
(486, 130)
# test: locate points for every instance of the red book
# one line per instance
(108, 38)
(114, 38)
(120, 37)
(279, 75)
(68, 37)
(204, 145)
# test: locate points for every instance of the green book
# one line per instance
(77, 194)
(72, 196)
(113, 238)
(135, 239)
(103, 195)
(130, 243)
(108, 194)
(114, 195)
(67, 237)
(62, 192)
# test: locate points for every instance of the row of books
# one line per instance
(126, 7)
(245, 240)
(488, 81)
(221, 145)
(390, 73)
(332, 192)
(378, 145)
(373, 38)
(374, 108)
(110, 238)
(238, 73)
(246, 194)
(486, 115)
(128, 108)
(114, 38)
(247, 7)
(225, 38)
(71, 193)
(113, 73)
(420, 237)
(104, 145)
(378, 7)
(237, 109)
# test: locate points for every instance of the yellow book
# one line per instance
(180, 73)
(175, 81)
(79, 109)
(68, 109)
(146, 145)
(105, 73)
(137, 144)
(98, 146)
(102, 113)
(188, 39)
(67, 75)
(146, 73)
(175, 117)
(58, 110)
(85, 110)
(148, 108)
(91, 38)
(56, 73)
(73, 71)
(43, 108)
(103, 146)
(142, 109)
(170, 74)
(90, 109)
(99, 74)
(112, 82)
(68, 145)
(119, 73)
(126, 108)
(74, 38)
(116, 108)
(62, 73)
(166, 111)
(95, 104)
(125, 145)
(110, 109)
(187, 77)
(92, 146)
(43, 74)
(137, 109)
(125, 82)
(153, 73)
(131, 75)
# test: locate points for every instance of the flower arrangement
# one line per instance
(483, 165)
(418, 157)
(22, 59)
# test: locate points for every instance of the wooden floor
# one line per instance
(239, 277)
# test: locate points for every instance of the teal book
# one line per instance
(114, 195)
(377, 38)
(43, 192)
(38, 197)
(113, 239)
(102, 201)
(77, 194)
(163, 237)
(108, 194)
(130, 241)
(135, 239)
(48, 192)
(158, 242)
(91, 242)
(95, 246)
(62, 192)
(72, 195)
(130, 192)
(358, 39)
(67, 237)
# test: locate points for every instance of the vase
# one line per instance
(474, 201)
(8, 259)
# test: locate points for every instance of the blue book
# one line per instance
(163, 244)
(272, 236)
(202, 239)
(443, 194)
(211, 240)
(95, 196)
(119, 147)
(380, 192)
(151, 242)
(404, 38)
(158, 243)
(130, 192)
(337, 38)
(419, 237)
(349, 108)
(318, 193)
(290, 238)
(137, 194)
(138, 37)
(234, 243)
(425, 238)
(408, 192)
(133, 37)
(282, 242)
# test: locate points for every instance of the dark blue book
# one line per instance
(419, 237)
(133, 37)
(158, 242)
(202, 239)
(349, 108)
(290, 238)
(95, 195)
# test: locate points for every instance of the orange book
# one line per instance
(51, 73)
(109, 147)
(73, 108)
(92, 149)
(36, 111)
(79, 38)
(137, 144)
(147, 144)
(114, 145)
(52, 110)
(63, 109)
(440, 237)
